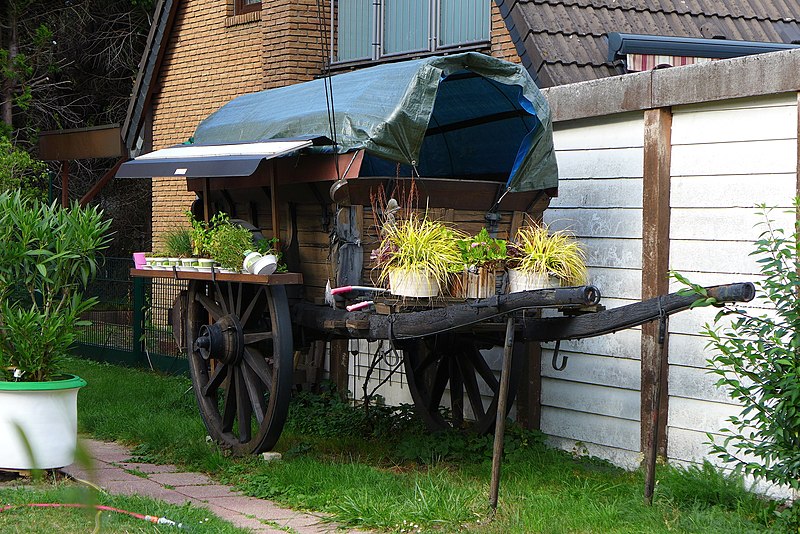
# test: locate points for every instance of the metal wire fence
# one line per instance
(131, 322)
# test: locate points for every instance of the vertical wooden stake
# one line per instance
(65, 184)
(500, 422)
(273, 195)
(655, 282)
(339, 364)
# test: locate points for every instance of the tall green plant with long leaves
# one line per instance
(47, 257)
(757, 360)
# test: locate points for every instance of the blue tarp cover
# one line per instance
(452, 116)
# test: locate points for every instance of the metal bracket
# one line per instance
(555, 364)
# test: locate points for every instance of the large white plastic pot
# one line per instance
(524, 281)
(46, 414)
(412, 284)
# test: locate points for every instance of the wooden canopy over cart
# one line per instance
(291, 182)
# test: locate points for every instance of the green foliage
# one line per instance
(199, 236)
(48, 256)
(757, 361)
(419, 245)
(537, 250)
(227, 242)
(482, 250)
(178, 243)
(18, 170)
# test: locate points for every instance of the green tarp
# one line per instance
(464, 115)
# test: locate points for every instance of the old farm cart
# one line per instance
(475, 135)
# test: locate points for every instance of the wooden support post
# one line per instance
(529, 397)
(500, 422)
(273, 195)
(655, 282)
(339, 366)
(65, 184)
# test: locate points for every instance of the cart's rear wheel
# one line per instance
(239, 340)
(436, 362)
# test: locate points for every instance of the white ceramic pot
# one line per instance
(249, 260)
(522, 281)
(266, 264)
(46, 413)
(412, 284)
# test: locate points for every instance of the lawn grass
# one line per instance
(385, 473)
(24, 519)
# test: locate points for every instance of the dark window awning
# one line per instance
(212, 161)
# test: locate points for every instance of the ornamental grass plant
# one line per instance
(535, 249)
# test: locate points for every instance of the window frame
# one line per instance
(378, 43)
(240, 8)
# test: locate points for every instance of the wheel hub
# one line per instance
(222, 340)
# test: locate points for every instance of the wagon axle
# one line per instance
(222, 340)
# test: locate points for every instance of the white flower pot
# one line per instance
(412, 284)
(522, 281)
(46, 413)
(267, 264)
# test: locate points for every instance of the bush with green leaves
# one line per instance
(48, 256)
(756, 358)
(18, 170)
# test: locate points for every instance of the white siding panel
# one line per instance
(767, 101)
(588, 193)
(622, 283)
(688, 350)
(618, 253)
(590, 398)
(746, 124)
(742, 191)
(689, 446)
(603, 163)
(591, 369)
(622, 457)
(754, 157)
(698, 415)
(730, 257)
(591, 428)
(719, 224)
(623, 344)
(619, 131)
(618, 222)
(694, 383)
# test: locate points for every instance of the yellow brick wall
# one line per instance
(293, 49)
(502, 46)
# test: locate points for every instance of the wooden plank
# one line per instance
(749, 157)
(623, 130)
(700, 415)
(655, 277)
(615, 253)
(600, 193)
(729, 257)
(605, 163)
(591, 398)
(273, 279)
(619, 222)
(608, 371)
(742, 191)
(721, 223)
(529, 397)
(591, 428)
(761, 101)
(724, 126)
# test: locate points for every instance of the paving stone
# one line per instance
(206, 492)
(103, 476)
(139, 486)
(107, 452)
(306, 523)
(181, 479)
(238, 519)
(255, 507)
(148, 468)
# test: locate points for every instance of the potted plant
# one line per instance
(178, 243)
(228, 242)
(48, 256)
(482, 257)
(538, 258)
(417, 256)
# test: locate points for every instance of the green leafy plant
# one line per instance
(482, 250)
(756, 358)
(178, 243)
(419, 245)
(270, 246)
(228, 242)
(537, 250)
(199, 236)
(48, 256)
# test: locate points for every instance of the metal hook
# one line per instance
(555, 358)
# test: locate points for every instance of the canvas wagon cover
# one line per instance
(453, 116)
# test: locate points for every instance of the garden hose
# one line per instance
(100, 508)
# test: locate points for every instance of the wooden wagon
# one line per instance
(302, 164)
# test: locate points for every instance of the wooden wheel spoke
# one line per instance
(243, 318)
(221, 299)
(482, 368)
(471, 387)
(210, 305)
(244, 409)
(255, 337)
(429, 358)
(229, 406)
(456, 392)
(439, 383)
(255, 391)
(215, 381)
(259, 365)
(238, 307)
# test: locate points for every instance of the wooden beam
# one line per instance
(101, 183)
(655, 275)
(529, 397)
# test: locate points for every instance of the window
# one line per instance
(246, 6)
(375, 29)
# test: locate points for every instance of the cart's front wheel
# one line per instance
(436, 363)
(239, 340)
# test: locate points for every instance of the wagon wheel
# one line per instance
(240, 362)
(434, 363)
